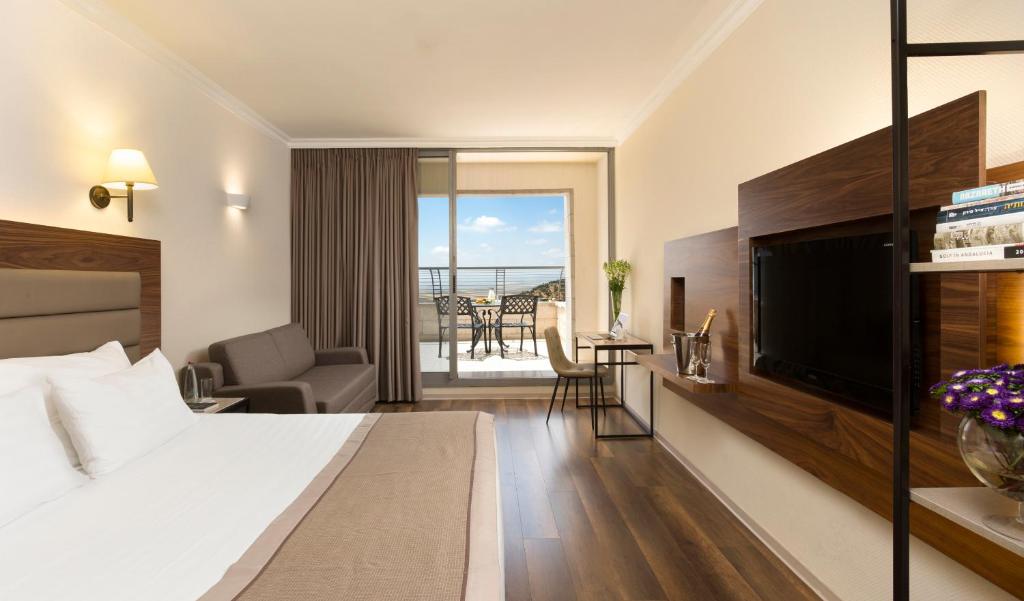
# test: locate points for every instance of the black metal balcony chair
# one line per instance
(521, 306)
(464, 308)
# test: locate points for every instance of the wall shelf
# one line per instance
(967, 506)
(964, 507)
(665, 366)
(968, 266)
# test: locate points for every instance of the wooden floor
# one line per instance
(613, 520)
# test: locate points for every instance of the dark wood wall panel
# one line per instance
(1006, 173)
(965, 307)
(700, 274)
(31, 246)
(1009, 318)
(843, 191)
(854, 181)
(1008, 291)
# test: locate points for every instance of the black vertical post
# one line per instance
(900, 306)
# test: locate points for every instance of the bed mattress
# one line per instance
(170, 526)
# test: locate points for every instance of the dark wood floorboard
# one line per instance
(613, 520)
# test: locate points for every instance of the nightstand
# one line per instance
(226, 405)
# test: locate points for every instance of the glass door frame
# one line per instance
(431, 379)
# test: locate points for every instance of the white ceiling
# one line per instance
(448, 69)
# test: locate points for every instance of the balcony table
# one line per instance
(488, 312)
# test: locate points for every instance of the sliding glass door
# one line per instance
(497, 260)
(436, 258)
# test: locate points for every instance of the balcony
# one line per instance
(546, 282)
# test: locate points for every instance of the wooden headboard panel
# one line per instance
(31, 246)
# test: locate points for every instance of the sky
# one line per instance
(495, 230)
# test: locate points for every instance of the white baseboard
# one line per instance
(769, 541)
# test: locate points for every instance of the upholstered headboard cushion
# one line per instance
(55, 312)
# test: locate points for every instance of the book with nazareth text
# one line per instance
(978, 203)
(989, 191)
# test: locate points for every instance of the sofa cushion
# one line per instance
(335, 387)
(250, 359)
(296, 351)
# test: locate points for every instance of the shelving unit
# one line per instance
(665, 366)
(968, 506)
(968, 266)
(962, 506)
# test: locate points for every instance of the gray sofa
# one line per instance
(279, 372)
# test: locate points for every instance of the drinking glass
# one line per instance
(704, 357)
(206, 388)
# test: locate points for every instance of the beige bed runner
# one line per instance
(407, 509)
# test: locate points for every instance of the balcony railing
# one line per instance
(545, 281)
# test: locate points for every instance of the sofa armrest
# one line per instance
(274, 397)
(341, 355)
(211, 370)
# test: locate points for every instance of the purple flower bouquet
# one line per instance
(994, 396)
(991, 436)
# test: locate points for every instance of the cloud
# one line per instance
(552, 211)
(546, 227)
(554, 253)
(485, 247)
(536, 242)
(484, 224)
(439, 250)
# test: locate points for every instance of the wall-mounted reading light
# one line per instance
(237, 201)
(127, 170)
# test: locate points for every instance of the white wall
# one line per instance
(72, 92)
(796, 78)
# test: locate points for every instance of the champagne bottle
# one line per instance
(705, 327)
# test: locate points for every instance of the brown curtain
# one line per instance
(354, 257)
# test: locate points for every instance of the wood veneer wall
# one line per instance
(1007, 293)
(700, 274)
(842, 191)
(31, 246)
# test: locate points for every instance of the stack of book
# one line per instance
(982, 224)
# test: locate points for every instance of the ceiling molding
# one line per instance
(719, 31)
(541, 143)
(103, 16)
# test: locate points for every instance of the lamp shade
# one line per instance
(127, 165)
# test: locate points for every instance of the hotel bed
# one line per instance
(237, 506)
(173, 525)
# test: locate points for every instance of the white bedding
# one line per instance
(166, 526)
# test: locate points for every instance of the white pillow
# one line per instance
(116, 418)
(22, 372)
(106, 359)
(33, 466)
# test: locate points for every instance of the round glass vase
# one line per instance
(996, 458)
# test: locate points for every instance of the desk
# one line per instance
(599, 341)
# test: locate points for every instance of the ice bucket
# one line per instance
(687, 345)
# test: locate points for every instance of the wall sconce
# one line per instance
(237, 201)
(127, 170)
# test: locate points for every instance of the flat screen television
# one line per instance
(822, 312)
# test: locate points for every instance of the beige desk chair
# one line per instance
(568, 370)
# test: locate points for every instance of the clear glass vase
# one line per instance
(996, 458)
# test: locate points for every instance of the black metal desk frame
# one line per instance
(631, 345)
